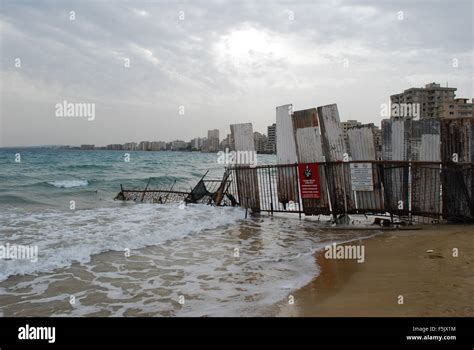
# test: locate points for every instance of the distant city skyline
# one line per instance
(173, 71)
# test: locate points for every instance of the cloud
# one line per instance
(226, 62)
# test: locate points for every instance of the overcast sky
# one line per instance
(225, 62)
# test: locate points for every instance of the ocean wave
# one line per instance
(74, 236)
(16, 199)
(87, 166)
(68, 183)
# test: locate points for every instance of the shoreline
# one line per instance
(397, 263)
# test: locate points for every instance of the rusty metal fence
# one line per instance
(417, 191)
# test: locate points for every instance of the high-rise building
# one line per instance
(214, 133)
(213, 140)
(227, 143)
(259, 140)
(429, 98)
(130, 146)
(87, 147)
(197, 143)
(270, 146)
(457, 108)
(114, 147)
(345, 126)
(178, 145)
(144, 146)
(158, 146)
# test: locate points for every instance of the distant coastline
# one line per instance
(103, 148)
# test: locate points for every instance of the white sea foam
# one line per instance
(69, 183)
(66, 237)
(174, 252)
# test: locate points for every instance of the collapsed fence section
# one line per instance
(409, 190)
(265, 188)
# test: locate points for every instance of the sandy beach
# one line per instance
(418, 265)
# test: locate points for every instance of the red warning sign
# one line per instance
(309, 180)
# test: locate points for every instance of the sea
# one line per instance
(100, 257)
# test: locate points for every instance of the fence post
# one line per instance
(271, 191)
(298, 189)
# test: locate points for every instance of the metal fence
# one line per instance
(412, 190)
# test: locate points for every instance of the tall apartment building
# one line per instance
(87, 147)
(345, 126)
(114, 147)
(197, 143)
(457, 108)
(158, 146)
(227, 143)
(178, 145)
(213, 140)
(270, 146)
(430, 98)
(260, 141)
(144, 146)
(130, 146)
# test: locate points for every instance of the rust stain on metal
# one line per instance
(305, 118)
(334, 149)
(247, 187)
(457, 144)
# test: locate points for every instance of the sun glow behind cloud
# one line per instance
(222, 56)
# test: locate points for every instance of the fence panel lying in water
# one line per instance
(443, 190)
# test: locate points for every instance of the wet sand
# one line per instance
(396, 264)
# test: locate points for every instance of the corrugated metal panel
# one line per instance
(242, 134)
(362, 146)
(334, 148)
(286, 147)
(386, 139)
(309, 145)
(457, 136)
(415, 130)
(248, 187)
(310, 150)
(361, 143)
(333, 142)
(399, 141)
(247, 180)
(305, 118)
(430, 148)
(395, 176)
(425, 179)
(286, 154)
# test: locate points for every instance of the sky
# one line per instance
(164, 70)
